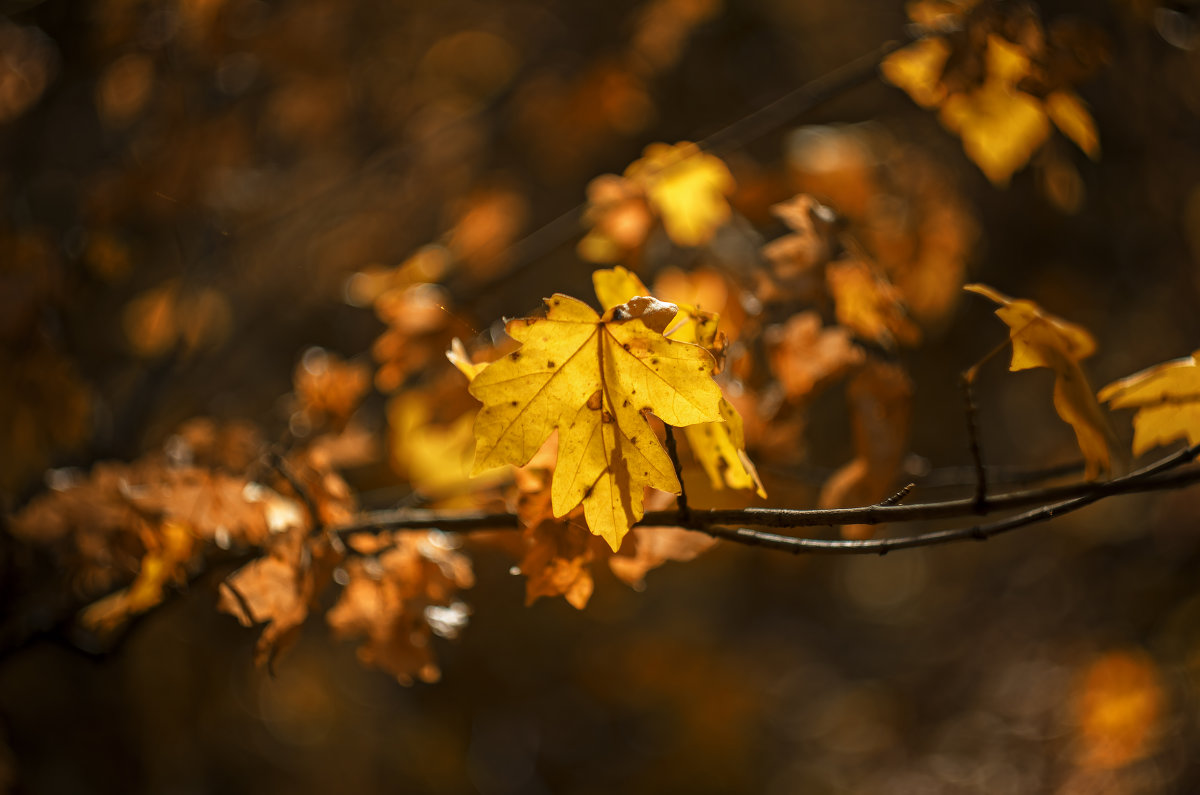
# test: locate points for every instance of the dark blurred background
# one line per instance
(187, 187)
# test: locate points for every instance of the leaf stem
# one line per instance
(673, 451)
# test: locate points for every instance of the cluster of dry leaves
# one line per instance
(999, 79)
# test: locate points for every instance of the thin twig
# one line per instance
(972, 416)
(280, 465)
(673, 451)
(972, 412)
(899, 496)
(1049, 501)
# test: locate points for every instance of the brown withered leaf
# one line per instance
(880, 396)
(559, 553)
(312, 469)
(398, 600)
(203, 442)
(420, 328)
(796, 257)
(558, 559)
(894, 202)
(328, 389)
(868, 304)
(168, 549)
(278, 590)
(148, 522)
(488, 223)
(805, 356)
(214, 505)
(654, 546)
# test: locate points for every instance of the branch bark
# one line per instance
(735, 524)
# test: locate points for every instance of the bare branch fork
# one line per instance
(735, 524)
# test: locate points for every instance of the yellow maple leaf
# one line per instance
(686, 187)
(917, 69)
(1040, 339)
(593, 379)
(1167, 399)
(719, 447)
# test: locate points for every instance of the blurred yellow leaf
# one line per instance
(593, 379)
(1040, 339)
(168, 550)
(804, 355)
(917, 69)
(686, 187)
(1000, 128)
(436, 459)
(1167, 399)
(1071, 116)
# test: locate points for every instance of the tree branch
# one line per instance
(1049, 502)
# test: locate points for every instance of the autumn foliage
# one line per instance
(732, 341)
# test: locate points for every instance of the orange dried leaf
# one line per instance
(278, 590)
(868, 304)
(328, 388)
(880, 397)
(1167, 399)
(1119, 709)
(805, 356)
(810, 242)
(917, 69)
(654, 546)
(169, 550)
(557, 561)
(399, 600)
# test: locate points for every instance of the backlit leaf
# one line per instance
(1000, 128)
(1167, 399)
(593, 379)
(720, 447)
(1071, 116)
(868, 304)
(687, 187)
(917, 69)
(1040, 339)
